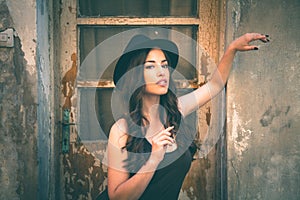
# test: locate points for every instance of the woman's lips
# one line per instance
(162, 82)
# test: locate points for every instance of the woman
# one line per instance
(138, 165)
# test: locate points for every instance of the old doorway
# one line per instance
(88, 24)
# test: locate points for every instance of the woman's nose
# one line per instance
(160, 70)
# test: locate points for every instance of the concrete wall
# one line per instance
(263, 102)
(18, 103)
(29, 80)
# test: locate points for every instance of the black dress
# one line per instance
(168, 178)
(167, 181)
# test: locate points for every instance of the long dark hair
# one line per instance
(136, 121)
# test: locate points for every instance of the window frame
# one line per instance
(181, 85)
(139, 21)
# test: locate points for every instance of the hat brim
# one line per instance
(169, 47)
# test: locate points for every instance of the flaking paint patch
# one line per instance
(240, 135)
(236, 15)
(68, 83)
(85, 176)
(26, 31)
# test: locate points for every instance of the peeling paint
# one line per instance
(26, 31)
(18, 151)
(68, 83)
(85, 176)
(240, 134)
(236, 15)
(208, 116)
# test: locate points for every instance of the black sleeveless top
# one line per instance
(169, 176)
(167, 181)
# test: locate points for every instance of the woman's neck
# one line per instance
(151, 106)
(151, 110)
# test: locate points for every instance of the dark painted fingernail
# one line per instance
(266, 35)
(268, 40)
(255, 48)
(264, 41)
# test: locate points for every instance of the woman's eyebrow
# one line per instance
(153, 61)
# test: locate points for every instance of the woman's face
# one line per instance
(156, 73)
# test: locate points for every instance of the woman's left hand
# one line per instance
(243, 42)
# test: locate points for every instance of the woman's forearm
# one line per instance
(221, 74)
(190, 102)
(134, 187)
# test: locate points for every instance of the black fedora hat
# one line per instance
(139, 42)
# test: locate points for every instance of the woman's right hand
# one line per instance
(160, 142)
(243, 42)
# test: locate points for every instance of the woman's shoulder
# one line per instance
(118, 133)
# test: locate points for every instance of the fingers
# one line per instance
(165, 142)
(168, 129)
(250, 37)
(248, 48)
(163, 138)
(165, 135)
(262, 37)
(243, 43)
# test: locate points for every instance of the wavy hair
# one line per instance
(137, 123)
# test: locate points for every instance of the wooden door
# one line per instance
(85, 26)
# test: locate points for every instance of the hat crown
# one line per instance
(136, 41)
(139, 42)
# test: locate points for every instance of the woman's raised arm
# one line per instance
(189, 102)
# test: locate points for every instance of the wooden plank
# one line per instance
(138, 21)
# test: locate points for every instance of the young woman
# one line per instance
(140, 162)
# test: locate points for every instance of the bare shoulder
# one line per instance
(118, 133)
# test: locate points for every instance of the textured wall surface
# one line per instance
(18, 105)
(263, 103)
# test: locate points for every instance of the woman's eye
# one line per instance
(165, 66)
(149, 66)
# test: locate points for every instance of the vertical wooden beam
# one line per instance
(203, 177)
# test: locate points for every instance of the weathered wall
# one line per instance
(263, 102)
(263, 106)
(18, 103)
(49, 124)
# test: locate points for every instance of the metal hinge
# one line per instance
(66, 131)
